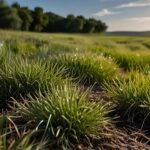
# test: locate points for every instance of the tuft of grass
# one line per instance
(3, 131)
(51, 50)
(5, 55)
(128, 60)
(146, 44)
(133, 61)
(19, 143)
(88, 69)
(24, 143)
(65, 114)
(19, 47)
(12, 139)
(23, 77)
(131, 94)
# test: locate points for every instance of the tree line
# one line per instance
(17, 17)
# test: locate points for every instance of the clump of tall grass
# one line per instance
(146, 44)
(2, 55)
(12, 139)
(3, 130)
(64, 114)
(128, 60)
(19, 47)
(8, 51)
(131, 61)
(22, 77)
(88, 69)
(131, 94)
(51, 50)
(59, 48)
(22, 143)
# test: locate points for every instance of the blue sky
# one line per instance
(118, 14)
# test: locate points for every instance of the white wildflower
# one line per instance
(77, 49)
(1, 44)
(121, 89)
(102, 54)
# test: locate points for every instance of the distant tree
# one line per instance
(68, 23)
(55, 23)
(81, 17)
(100, 26)
(77, 25)
(89, 26)
(40, 19)
(25, 15)
(70, 17)
(16, 5)
(22, 18)
(8, 17)
(2, 2)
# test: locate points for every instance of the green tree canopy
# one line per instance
(40, 19)
(22, 18)
(8, 17)
(77, 25)
(25, 15)
(89, 26)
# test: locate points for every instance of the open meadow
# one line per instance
(74, 91)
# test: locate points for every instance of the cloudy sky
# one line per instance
(118, 14)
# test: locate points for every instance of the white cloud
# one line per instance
(130, 24)
(105, 12)
(139, 19)
(141, 3)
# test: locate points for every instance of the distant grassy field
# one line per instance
(74, 91)
(82, 40)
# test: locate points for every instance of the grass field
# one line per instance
(74, 91)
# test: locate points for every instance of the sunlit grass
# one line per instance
(20, 141)
(65, 114)
(131, 94)
(139, 60)
(88, 69)
(49, 110)
(22, 77)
